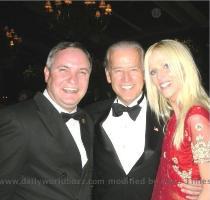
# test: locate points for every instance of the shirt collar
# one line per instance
(133, 103)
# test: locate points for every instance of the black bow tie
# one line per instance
(67, 116)
(133, 112)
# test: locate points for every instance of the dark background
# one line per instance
(21, 66)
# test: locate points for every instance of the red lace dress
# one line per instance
(179, 165)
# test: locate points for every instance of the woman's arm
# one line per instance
(200, 129)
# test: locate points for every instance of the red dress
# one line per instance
(179, 165)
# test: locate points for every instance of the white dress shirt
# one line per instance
(126, 135)
(74, 128)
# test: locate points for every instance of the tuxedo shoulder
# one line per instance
(99, 106)
(20, 109)
(97, 109)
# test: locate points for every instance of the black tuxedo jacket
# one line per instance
(39, 159)
(111, 182)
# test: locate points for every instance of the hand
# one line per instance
(192, 189)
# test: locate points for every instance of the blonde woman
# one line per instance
(176, 95)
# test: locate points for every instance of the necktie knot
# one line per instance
(67, 116)
(118, 109)
(133, 112)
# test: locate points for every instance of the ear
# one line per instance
(108, 78)
(46, 74)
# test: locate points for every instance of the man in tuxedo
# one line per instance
(46, 142)
(128, 138)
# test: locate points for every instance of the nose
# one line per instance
(161, 74)
(72, 77)
(126, 76)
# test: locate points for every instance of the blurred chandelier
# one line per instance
(12, 37)
(77, 19)
(58, 7)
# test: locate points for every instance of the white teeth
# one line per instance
(70, 90)
(165, 84)
(127, 87)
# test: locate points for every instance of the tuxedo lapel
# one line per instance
(154, 132)
(58, 129)
(85, 134)
(152, 139)
(48, 114)
(105, 140)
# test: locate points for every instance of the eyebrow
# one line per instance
(86, 69)
(66, 66)
(116, 67)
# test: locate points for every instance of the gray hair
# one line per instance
(124, 44)
(64, 45)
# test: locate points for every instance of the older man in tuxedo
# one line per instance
(128, 137)
(46, 142)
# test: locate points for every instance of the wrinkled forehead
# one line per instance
(125, 55)
(72, 55)
(72, 52)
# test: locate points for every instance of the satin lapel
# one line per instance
(85, 134)
(154, 132)
(153, 138)
(57, 128)
(107, 144)
(86, 139)
(48, 114)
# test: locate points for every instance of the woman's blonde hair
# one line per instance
(182, 65)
